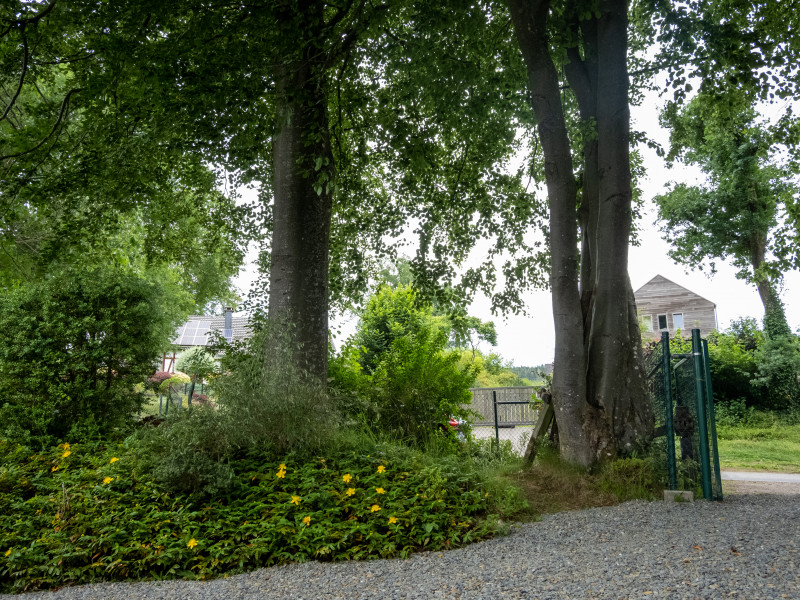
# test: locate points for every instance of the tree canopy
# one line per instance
(358, 121)
(744, 211)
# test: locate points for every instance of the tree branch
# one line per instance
(25, 58)
(64, 106)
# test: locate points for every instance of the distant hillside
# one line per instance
(533, 373)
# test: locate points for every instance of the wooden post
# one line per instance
(546, 415)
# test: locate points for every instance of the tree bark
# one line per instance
(302, 187)
(616, 381)
(599, 389)
(569, 383)
(775, 323)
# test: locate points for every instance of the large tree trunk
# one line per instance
(599, 389)
(775, 323)
(569, 374)
(302, 187)
(616, 381)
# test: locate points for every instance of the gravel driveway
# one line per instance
(745, 547)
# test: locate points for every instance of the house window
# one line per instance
(662, 321)
(677, 321)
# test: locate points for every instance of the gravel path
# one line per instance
(746, 547)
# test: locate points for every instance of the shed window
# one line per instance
(677, 320)
(662, 321)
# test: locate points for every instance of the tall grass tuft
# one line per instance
(264, 401)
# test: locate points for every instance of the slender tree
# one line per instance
(741, 212)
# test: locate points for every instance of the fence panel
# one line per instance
(507, 414)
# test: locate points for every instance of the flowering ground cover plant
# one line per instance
(81, 513)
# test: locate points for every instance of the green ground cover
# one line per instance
(82, 513)
(760, 441)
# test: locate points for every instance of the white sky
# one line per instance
(529, 340)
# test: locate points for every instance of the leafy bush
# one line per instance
(155, 380)
(748, 366)
(733, 367)
(390, 314)
(778, 371)
(80, 514)
(492, 370)
(733, 412)
(263, 401)
(414, 389)
(396, 372)
(418, 386)
(198, 363)
(74, 347)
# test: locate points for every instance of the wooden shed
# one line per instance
(664, 305)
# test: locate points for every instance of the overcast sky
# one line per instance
(529, 340)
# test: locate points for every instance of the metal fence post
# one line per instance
(666, 367)
(712, 421)
(702, 424)
(496, 428)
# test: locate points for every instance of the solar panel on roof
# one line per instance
(201, 333)
(187, 339)
(179, 334)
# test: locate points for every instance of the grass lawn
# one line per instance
(765, 443)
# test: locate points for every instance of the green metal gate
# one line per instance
(680, 388)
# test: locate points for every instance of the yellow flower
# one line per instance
(307, 521)
(280, 474)
(295, 500)
(8, 552)
(65, 446)
(375, 508)
(54, 469)
(113, 460)
(281, 467)
(392, 520)
(192, 543)
(346, 478)
(108, 480)
(381, 469)
(66, 454)
(380, 490)
(350, 491)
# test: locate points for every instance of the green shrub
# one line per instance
(778, 371)
(263, 401)
(74, 347)
(419, 386)
(187, 453)
(416, 386)
(733, 366)
(390, 314)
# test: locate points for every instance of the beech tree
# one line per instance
(599, 388)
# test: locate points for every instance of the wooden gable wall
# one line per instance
(660, 296)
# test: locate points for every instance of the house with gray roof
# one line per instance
(200, 330)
